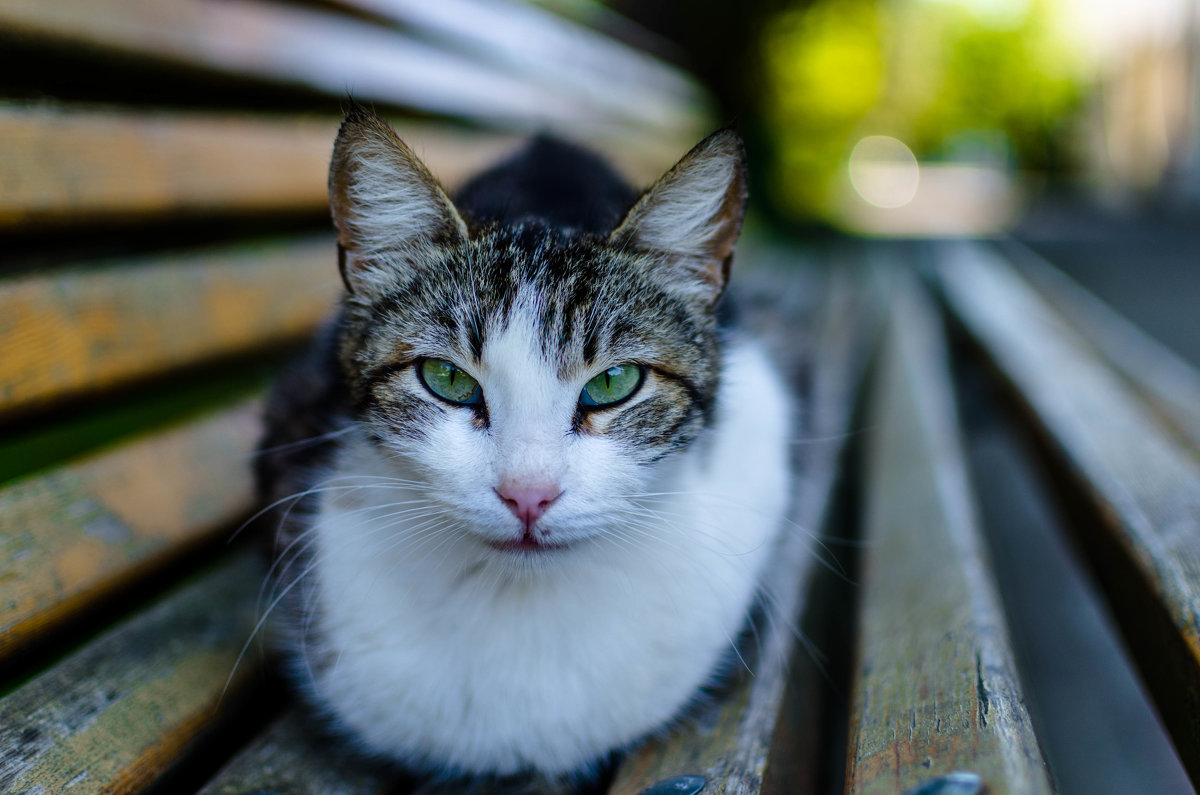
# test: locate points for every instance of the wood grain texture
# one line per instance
(1169, 385)
(734, 743)
(291, 757)
(79, 329)
(74, 534)
(333, 54)
(935, 689)
(552, 52)
(67, 164)
(115, 715)
(1133, 487)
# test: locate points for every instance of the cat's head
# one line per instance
(533, 376)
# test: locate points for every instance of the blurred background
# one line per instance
(1071, 125)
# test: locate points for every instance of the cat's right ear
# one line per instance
(386, 205)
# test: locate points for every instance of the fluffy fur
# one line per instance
(424, 616)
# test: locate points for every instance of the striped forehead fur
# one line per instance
(589, 305)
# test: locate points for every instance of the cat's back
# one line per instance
(551, 181)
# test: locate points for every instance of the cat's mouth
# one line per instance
(525, 544)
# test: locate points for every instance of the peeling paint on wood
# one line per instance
(936, 689)
(74, 534)
(119, 712)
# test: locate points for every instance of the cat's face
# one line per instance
(532, 377)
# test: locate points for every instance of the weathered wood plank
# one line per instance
(114, 716)
(1169, 384)
(326, 52)
(83, 329)
(732, 746)
(68, 164)
(74, 534)
(553, 52)
(936, 689)
(291, 757)
(1134, 488)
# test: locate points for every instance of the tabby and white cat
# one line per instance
(531, 483)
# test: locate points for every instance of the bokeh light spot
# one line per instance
(884, 172)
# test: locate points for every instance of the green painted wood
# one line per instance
(935, 688)
(746, 739)
(1132, 485)
(76, 534)
(118, 713)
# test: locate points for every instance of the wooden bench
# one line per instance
(166, 254)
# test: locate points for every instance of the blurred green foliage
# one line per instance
(954, 80)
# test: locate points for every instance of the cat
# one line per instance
(526, 482)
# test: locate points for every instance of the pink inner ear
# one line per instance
(694, 212)
(382, 196)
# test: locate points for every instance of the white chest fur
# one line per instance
(436, 655)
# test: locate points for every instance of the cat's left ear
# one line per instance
(387, 207)
(692, 216)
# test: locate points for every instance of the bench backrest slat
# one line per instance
(83, 329)
(72, 536)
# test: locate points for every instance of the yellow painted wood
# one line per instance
(81, 329)
(115, 715)
(1132, 484)
(75, 534)
(68, 164)
(63, 164)
(935, 688)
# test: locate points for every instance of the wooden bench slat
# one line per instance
(115, 715)
(289, 757)
(326, 52)
(1162, 378)
(65, 164)
(1139, 486)
(935, 688)
(74, 534)
(554, 52)
(81, 329)
(71, 164)
(735, 747)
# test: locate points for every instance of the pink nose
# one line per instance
(528, 501)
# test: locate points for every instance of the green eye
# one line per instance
(612, 386)
(450, 383)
